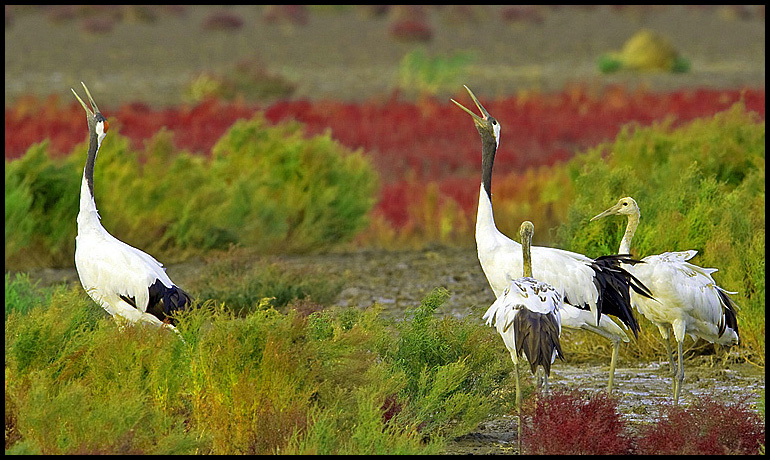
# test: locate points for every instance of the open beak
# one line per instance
(609, 212)
(476, 118)
(90, 99)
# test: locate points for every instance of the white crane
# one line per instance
(591, 287)
(527, 317)
(122, 279)
(686, 297)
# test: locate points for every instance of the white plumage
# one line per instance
(686, 300)
(122, 279)
(592, 288)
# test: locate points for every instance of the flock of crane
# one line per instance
(538, 290)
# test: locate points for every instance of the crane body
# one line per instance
(686, 299)
(598, 286)
(125, 281)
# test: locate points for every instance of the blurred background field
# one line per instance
(311, 154)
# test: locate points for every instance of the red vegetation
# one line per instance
(572, 423)
(523, 14)
(222, 20)
(409, 144)
(411, 30)
(705, 428)
(287, 14)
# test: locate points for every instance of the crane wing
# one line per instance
(687, 295)
(529, 293)
(117, 275)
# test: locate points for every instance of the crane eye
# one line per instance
(624, 203)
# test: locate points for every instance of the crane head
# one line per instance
(624, 207)
(526, 231)
(96, 120)
(486, 124)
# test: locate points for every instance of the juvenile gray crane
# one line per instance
(686, 297)
(527, 316)
(125, 281)
(591, 287)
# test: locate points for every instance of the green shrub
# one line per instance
(269, 188)
(41, 199)
(242, 280)
(430, 74)
(261, 381)
(700, 186)
(451, 368)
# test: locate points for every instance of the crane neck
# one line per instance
(526, 245)
(89, 215)
(488, 150)
(625, 243)
(93, 148)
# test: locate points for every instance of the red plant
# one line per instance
(98, 25)
(409, 144)
(707, 427)
(222, 20)
(523, 14)
(289, 14)
(573, 423)
(411, 30)
(390, 407)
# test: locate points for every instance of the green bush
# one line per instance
(700, 186)
(452, 367)
(241, 281)
(431, 74)
(335, 381)
(269, 188)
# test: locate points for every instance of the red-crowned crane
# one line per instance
(122, 279)
(596, 286)
(685, 296)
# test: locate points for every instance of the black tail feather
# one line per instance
(729, 309)
(537, 336)
(164, 301)
(614, 284)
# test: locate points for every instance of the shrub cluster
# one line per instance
(335, 381)
(700, 186)
(265, 187)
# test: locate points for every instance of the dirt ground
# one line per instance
(349, 54)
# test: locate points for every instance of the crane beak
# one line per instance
(476, 118)
(90, 99)
(609, 212)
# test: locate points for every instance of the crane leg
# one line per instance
(679, 377)
(518, 404)
(518, 387)
(671, 359)
(613, 362)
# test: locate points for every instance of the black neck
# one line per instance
(488, 149)
(93, 146)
